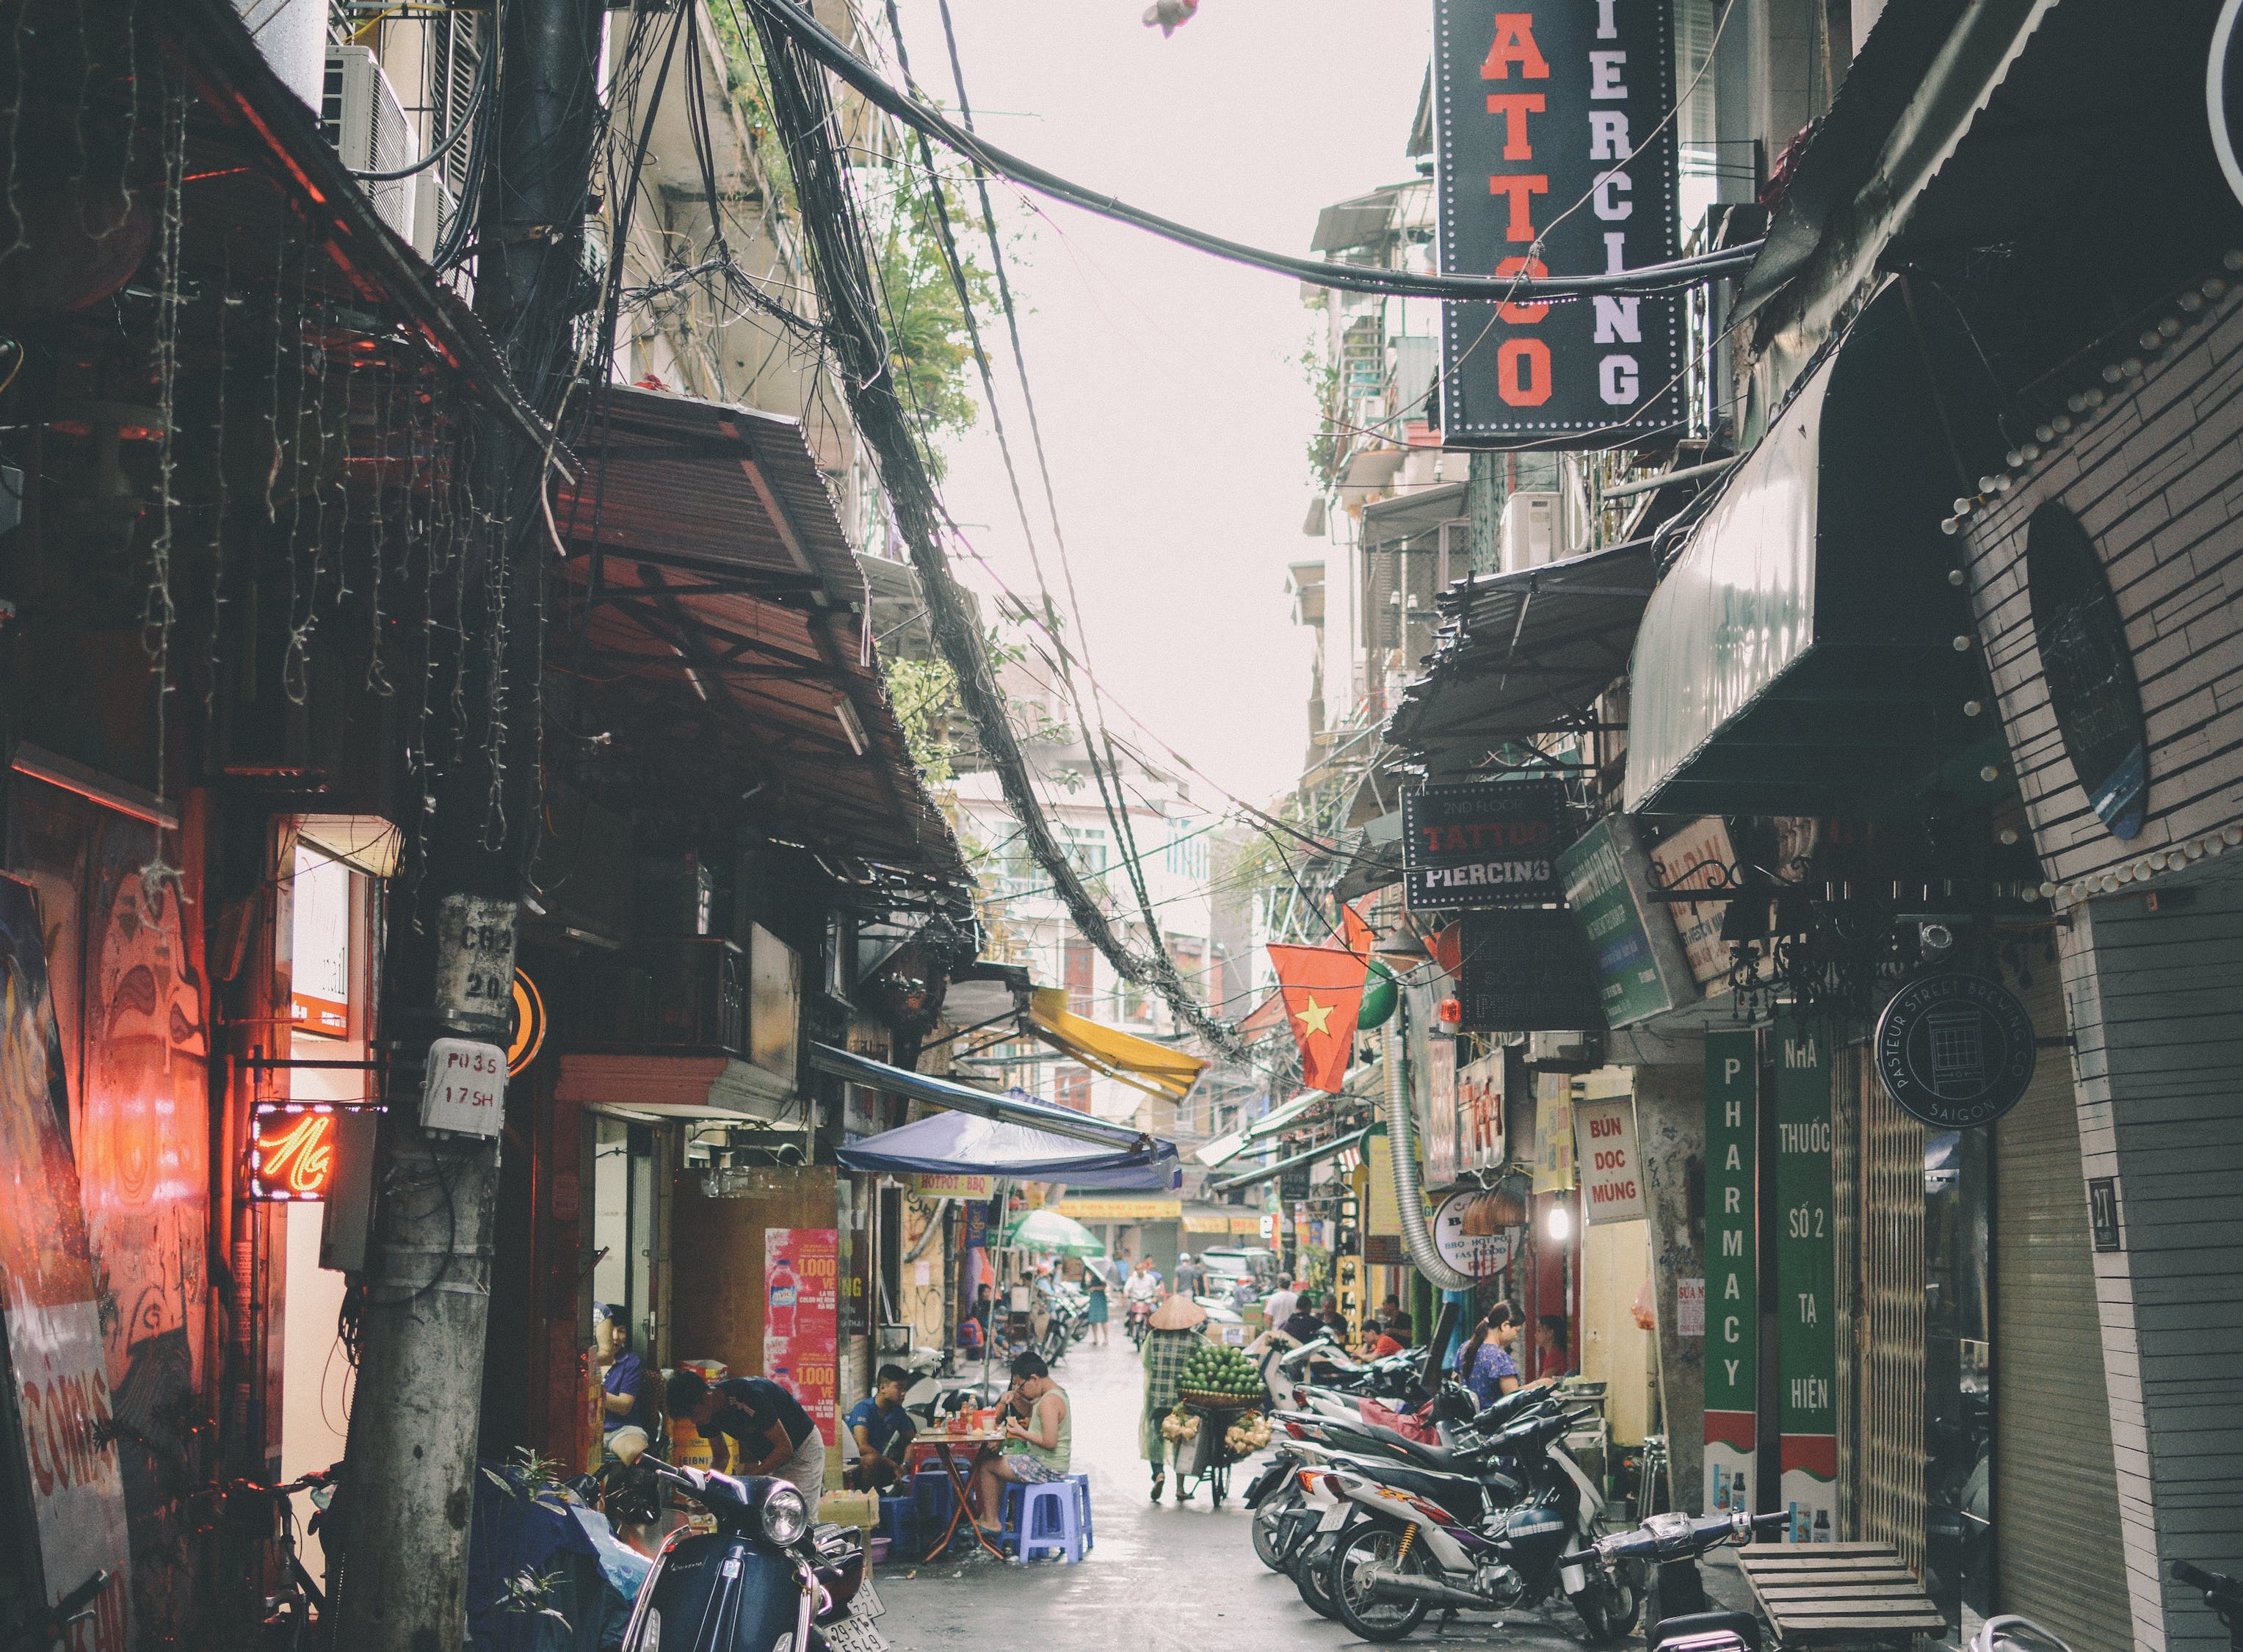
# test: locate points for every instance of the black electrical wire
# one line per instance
(813, 38)
(459, 129)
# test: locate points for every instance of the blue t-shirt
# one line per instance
(1489, 1369)
(889, 1431)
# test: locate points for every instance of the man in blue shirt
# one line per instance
(883, 1430)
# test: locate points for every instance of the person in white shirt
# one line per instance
(1278, 1305)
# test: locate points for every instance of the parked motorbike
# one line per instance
(1663, 1553)
(1441, 1540)
(766, 1580)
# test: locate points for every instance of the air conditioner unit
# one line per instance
(1533, 530)
(366, 124)
(433, 208)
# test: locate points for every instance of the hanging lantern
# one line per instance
(1380, 996)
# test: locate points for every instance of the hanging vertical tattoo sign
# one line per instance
(1732, 1268)
(1806, 1281)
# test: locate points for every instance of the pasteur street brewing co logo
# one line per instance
(1955, 1050)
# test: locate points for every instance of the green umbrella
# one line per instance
(1049, 1230)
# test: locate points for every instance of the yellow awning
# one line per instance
(1155, 1069)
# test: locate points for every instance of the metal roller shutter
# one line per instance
(2057, 1556)
(1889, 1495)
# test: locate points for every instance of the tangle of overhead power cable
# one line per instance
(1108, 785)
(811, 36)
(833, 235)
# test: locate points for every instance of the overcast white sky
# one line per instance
(1174, 413)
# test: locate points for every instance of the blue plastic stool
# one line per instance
(1081, 1484)
(1051, 1518)
(898, 1513)
(932, 1496)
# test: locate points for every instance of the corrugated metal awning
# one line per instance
(713, 614)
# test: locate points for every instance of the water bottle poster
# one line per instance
(800, 1324)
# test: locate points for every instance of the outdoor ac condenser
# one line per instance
(366, 124)
(1533, 530)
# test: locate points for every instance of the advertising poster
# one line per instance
(1439, 1125)
(125, 978)
(1554, 1133)
(52, 1313)
(1806, 1281)
(1641, 971)
(1731, 1298)
(1611, 1169)
(800, 1324)
(1480, 1114)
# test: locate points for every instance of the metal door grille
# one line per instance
(1889, 1448)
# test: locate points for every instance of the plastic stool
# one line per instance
(932, 1496)
(1081, 1484)
(1051, 1518)
(897, 1514)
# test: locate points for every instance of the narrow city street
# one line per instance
(1161, 1579)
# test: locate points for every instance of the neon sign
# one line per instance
(292, 1150)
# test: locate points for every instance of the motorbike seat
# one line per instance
(1439, 1458)
(1743, 1625)
(1460, 1494)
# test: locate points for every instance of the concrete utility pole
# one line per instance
(410, 1473)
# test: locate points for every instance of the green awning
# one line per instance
(1272, 1172)
(1799, 658)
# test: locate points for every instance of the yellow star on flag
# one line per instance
(1313, 1019)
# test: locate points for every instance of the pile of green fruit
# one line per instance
(1222, 1371)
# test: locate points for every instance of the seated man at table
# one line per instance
(883, 1430)
(1034, 1452)
(775, 1434)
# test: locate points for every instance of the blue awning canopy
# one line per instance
(980, 1133)
(959, 1144)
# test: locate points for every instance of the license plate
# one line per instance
(1335, 1517)
(854, 1635)
(867, 1600)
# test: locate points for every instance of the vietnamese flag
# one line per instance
(1323, 990)
(1356, 931)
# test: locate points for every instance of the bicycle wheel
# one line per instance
(1363, 1555)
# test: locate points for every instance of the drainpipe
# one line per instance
(1402, 1153)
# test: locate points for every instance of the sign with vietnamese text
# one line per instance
(1689, 1307)
(1605, 875)
(1094, 1209)
(1609, 1169)
(1554, 1133)
(1731, 1303)
(1556, 156)
(319, 945)
(1697, 856)
(1468, 1236)
(1491, 844)
(801, 1321)
(1806, 1279)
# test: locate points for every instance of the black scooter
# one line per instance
(1664, 1552)
(766, 1580)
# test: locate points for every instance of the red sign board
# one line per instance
(801, 1321)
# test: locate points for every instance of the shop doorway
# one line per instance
(622, 1227)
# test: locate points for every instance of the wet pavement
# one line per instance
(1162, 1578)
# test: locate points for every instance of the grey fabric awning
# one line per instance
(1526, 653)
